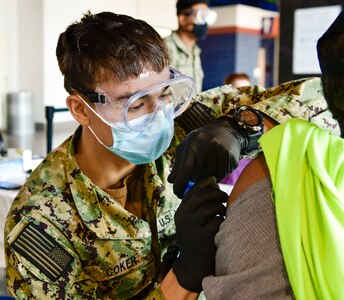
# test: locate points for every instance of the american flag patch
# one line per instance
(43, 251)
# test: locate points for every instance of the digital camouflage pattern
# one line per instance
(65, 238)
(114, 252)
(186, 61)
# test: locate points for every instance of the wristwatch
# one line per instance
(250, 123)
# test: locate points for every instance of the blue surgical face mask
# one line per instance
(200, 31)
(145, 146)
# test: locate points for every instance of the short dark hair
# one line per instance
(183, 5)
(235, 76)
(107, 45)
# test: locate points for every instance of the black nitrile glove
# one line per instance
(197, 220)
(212, 150)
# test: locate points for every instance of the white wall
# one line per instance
(21, 51)
(240, 15)
(28, 37)
(29, 50)
(8, 54)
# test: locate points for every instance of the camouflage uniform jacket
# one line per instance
(65, 238)
(186, 61)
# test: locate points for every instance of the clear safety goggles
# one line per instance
(202, 16)
(171, 96)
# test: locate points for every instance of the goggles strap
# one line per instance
(97, 114)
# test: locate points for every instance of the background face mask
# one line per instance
(200, 31)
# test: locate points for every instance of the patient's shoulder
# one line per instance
(254, 171)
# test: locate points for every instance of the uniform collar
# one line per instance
(89, 199)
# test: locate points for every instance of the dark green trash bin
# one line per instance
(20, 118)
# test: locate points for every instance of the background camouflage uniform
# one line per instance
(186, 61)
(65, 238)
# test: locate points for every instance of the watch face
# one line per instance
(249, 118)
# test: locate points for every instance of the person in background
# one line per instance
(194, 16)
(284, 231)
(237, 79)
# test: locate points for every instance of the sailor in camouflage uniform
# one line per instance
(94, 219)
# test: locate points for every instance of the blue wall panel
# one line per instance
(269, 46)
(226, 53)
(218, 58)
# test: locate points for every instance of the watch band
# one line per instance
(251, 132)
(252, 142)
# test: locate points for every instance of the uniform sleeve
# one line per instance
(224, 98)
(212, 104)
(16, 285)
(301, 99)
(41, 263)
